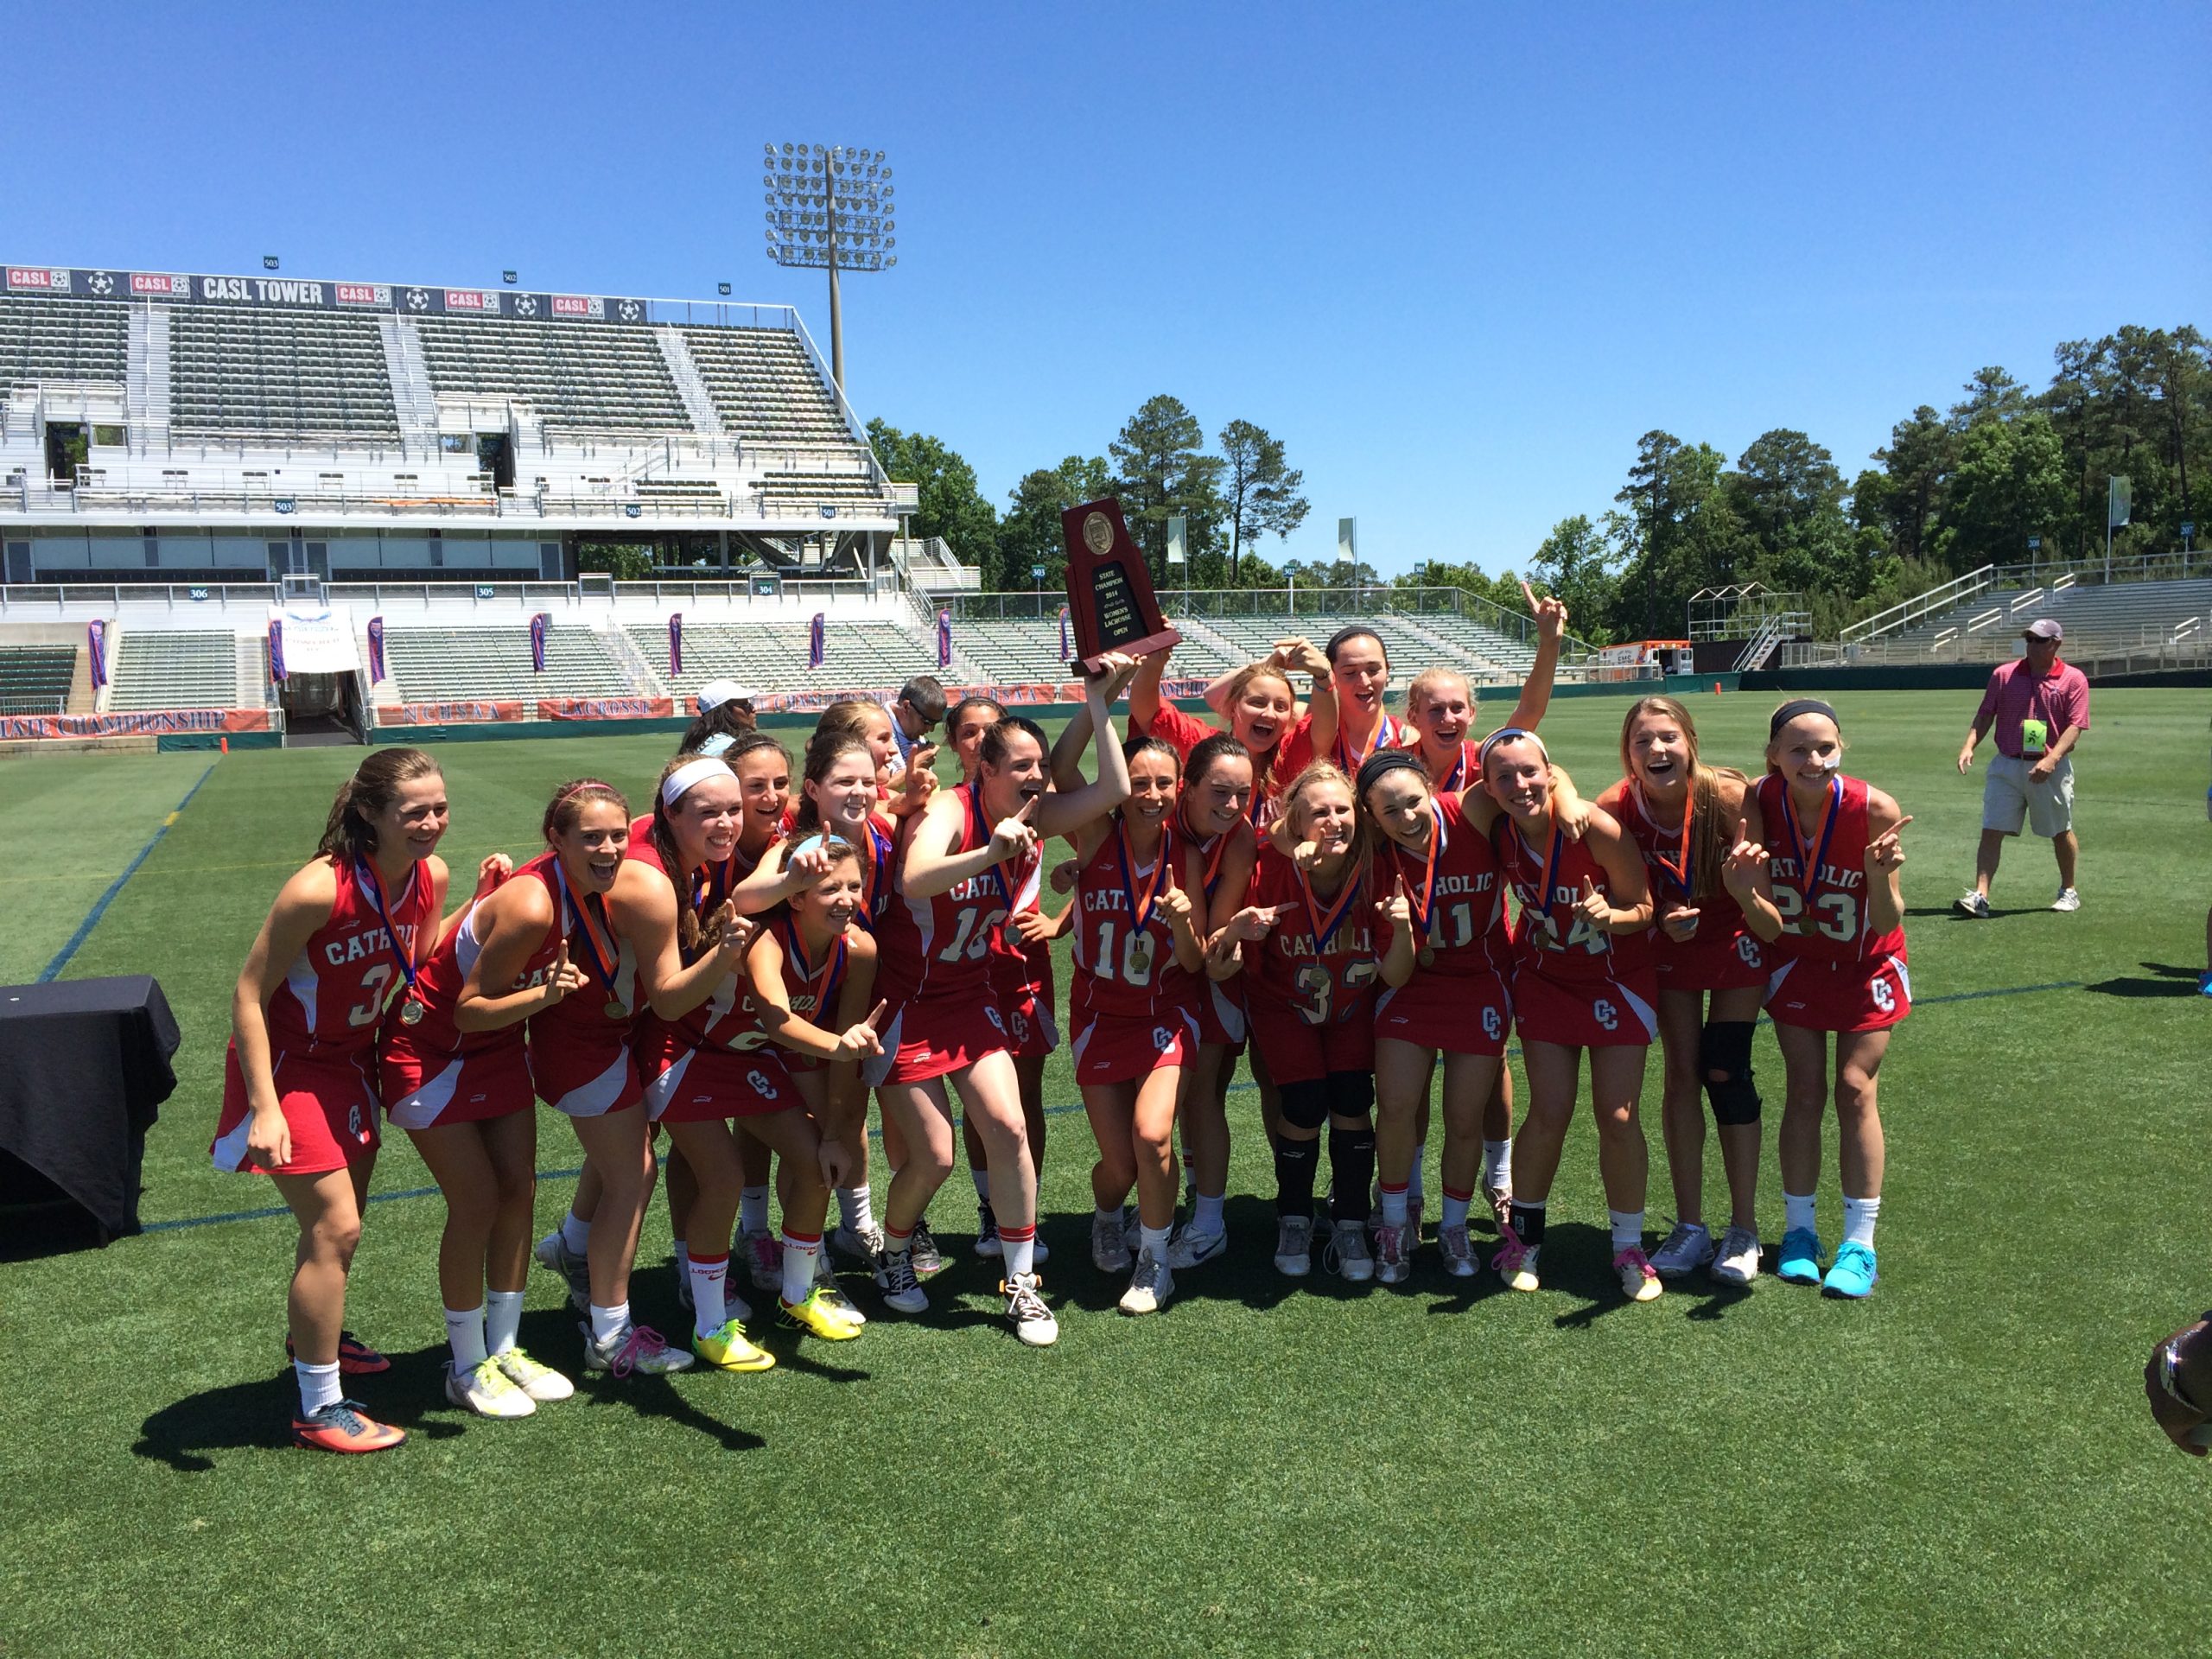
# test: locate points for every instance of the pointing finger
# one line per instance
(876, 1013)
(1529, 593)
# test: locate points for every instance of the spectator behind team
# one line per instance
(915, 713)
(725, 714)
(2040, 706)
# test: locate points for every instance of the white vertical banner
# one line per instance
(1179, 537)
(1348, 540)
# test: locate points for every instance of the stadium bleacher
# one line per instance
(274, 373)
(606, 376)
(35, 679)
(772, 655)
(439, 664)
(2097, 616)
(54, 340)
(157, 668)
(764, 387)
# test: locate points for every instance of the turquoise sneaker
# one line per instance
(2204, 984)
(1853, 1274)
(1800, 1257)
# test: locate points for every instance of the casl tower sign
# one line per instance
(69, 283)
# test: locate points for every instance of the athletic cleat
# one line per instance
(1033, 1321)
(485, 1390)
(863, 1247)
(1500, 1200)
(1689, 1248)
(1639, 1279)
(1348, 1254)
(554, 1255)
(2204, 984)
(928, 1260)
(1295, 1247)
(987, 1231)
(1132, 1230)
(1109, 1248)
(541, 1382)
(355, 1357)
(818, 1317)
(344, 1425)
(1457, 1251)
(1800, 1263)
(765, 1257)
(1738, 1262)
(634, 1348)
(1974, 904)
(1390, 1254)
(894, 1277)
(832, 1293)
(1853, 1274)
(2067, 899)
(1150, 1286)
(1190, 1248)
(1516, 1262)
(728, 1350)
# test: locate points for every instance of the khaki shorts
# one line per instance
(2011, 796)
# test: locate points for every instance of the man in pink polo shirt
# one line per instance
(2040, 707)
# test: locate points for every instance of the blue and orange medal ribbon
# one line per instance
(1424, 902)
(872, 878)
(819, 986)
(1141, 910)
(1326, 922)
(411, 1011)
(589, 931)
(1551, 869)
(1810, 870)
(1678, 871)
(1351, 763)
(1454, 780)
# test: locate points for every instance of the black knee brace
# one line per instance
(1351, 1094)
(1305, 1105)
(1725, 1057)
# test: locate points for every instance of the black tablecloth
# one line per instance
(84, 1069)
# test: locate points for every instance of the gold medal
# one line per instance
(615, 1011)
(1139, 957)
(1426, 956)
(411, 1014)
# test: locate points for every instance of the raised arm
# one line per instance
(1067, 748)
(1144, 695)
(1536, 689)
(1059, 814)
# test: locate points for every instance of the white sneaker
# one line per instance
(863, 1247)
(1689, 1248)
(1971, 903)
(541, 1382)
(633, 1348)
(1457, 1251)
(987, 1232)
(1348, 1253)
(2067, 899)
(1390, 1254)
(1150, 1286)
(765, 1257)
(1191, 1247)
(894, 1277)
(553, 1253)
(1295, 1247)
(1109, 1247)
(485, 1390)
(1738, 1262)
(1033, 1321)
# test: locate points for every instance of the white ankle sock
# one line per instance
(465, 1336)
(1798, 1212)
(1455, 1209)
(318, 1386)
(502, 1320)
(1206, 1214)
(1393, 1205)
(1858, 1217)
(575, 1233)
(798, 1265)
(1155, 1240)
(608, 1323)
(1497, 1162)
(753, 1210)
(1628, 1228)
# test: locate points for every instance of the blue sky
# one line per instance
(1458, 257)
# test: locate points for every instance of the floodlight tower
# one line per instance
(830, 209)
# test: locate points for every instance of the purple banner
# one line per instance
(675, 643)
(276, 651)
(96, 652)
(1067, 651)
(817, 641)
(539, 625)
(376, 650)
(944, 639)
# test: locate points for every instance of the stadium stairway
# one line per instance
(690, 385)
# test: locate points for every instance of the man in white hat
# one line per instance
(2039, 707)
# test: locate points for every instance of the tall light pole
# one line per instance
(829, 208)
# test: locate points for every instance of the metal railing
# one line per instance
(1943, 597)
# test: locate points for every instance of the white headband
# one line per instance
(1508, 734)
(690, 773)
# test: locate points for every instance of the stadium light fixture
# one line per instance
(830, 213)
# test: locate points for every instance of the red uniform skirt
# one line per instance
(427, 1089)
(1457, 1013)
(330, 1106)
(580, 1076)
(1586, 1013)
(701, 1085)
(932, 1037)
(1126, 1047)
(1869, 993)
(1298, 1052)
(1713, 959)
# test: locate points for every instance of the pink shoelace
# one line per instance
(643, 1341)
(1510, 1254)
(1634, 1256)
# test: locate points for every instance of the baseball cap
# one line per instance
(2042, 628)
(714, 693)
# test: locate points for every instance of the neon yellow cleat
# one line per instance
(818, 1316)
(728, 1350)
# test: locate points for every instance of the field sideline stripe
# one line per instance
(53, 969)
(1050, 1111)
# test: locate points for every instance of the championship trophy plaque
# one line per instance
(1110, 601)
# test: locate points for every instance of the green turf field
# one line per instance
(1961, 1465)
